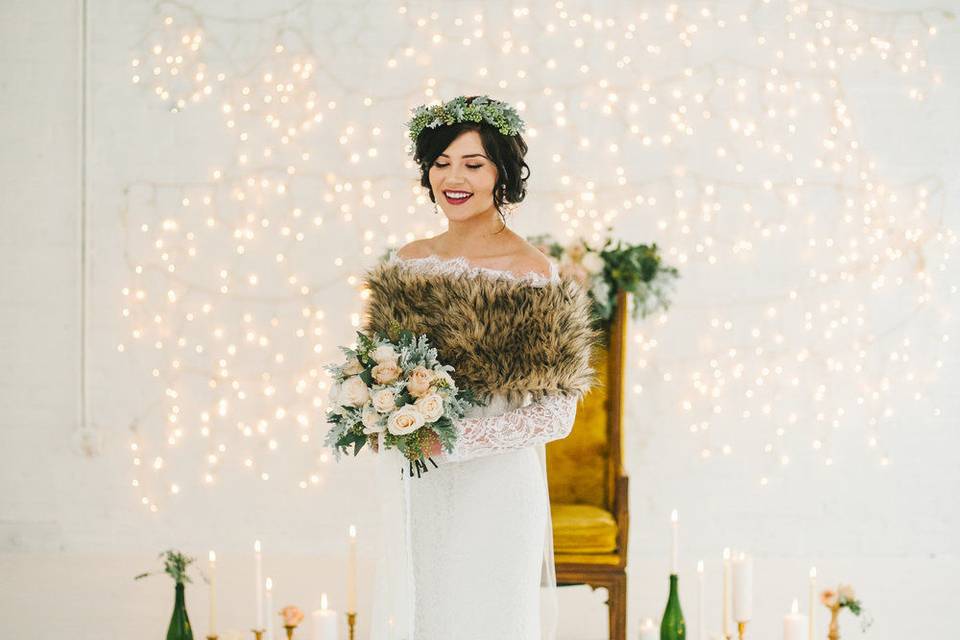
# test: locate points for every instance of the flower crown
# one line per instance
(481, 109)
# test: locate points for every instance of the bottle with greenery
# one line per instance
(672, 627)
(175, 565)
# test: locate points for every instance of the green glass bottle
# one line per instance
(672, 627)
(179, 628)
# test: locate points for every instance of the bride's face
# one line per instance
(463, 168)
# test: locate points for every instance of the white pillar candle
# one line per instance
(727, 620)
(675, 526)
(813, 595)
(324, 621)
(269, 609)
(258, 561)
(213, 594)
(794, 623)
(648, 631)
(352, 572)
(742, 587)
(700, 620)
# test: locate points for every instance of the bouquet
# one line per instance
(398, 391)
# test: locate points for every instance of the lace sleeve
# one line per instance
(539, 422)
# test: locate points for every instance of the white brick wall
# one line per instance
(72, 535)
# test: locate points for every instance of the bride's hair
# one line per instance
(506, 152)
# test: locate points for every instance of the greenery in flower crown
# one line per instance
(175, 565)
(498, 114)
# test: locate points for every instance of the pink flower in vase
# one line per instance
(292, 616)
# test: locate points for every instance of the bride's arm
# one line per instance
(538, 422)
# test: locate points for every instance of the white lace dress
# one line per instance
(479, 524)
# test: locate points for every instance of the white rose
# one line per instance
(371, 420)
(384, 353)
(352, 367)
(593, 263)
(386, 372)
(418, 382)
(846, 593)
(404, 420)
(354, 391)
(384, 400)
(430, 406)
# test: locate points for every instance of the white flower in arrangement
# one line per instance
(384, 353)
(371, 418)
(846, 593)
(386, 372)
(430, 406)
(445, 377)
(354, 391)
(593, 263)
(419, 380)
(384, 400)
(405, 420)
(352, 367)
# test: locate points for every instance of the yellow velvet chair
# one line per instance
(588, 487)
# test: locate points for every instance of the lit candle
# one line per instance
(675, 525)
(794, 623)
(742, 587)
(727, 621)
(324, 621)
(813, 590)
(269, 609)
(648, 631)
(700, 621)
(352, 571)
(213, 594)
(258, 561)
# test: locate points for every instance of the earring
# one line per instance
(436, 208)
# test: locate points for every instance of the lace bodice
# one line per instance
(499, 427)
(460, 265)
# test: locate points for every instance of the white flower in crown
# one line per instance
(430, 406)
(404, 420)
(384, 353)
(371, 419)
(354, 391)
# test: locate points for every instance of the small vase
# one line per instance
(834, 631)
(179, 628)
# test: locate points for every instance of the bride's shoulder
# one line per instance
(415, 249)
(529, 258)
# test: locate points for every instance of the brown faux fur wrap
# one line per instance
(500, 335)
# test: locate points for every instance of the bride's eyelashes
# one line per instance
(471, 166)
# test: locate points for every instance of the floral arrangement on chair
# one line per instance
(606, 270)
(844, 596)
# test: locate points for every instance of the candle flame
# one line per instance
(726, 553)
(269, 584)
(256, 546)
(213, 556)
(323, 600)
(813, 572)
(699, 566)
(353, 531)
(796, 606)
(673, 515)
(647, 623)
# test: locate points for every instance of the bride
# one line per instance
(467, 548)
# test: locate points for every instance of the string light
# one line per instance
(762, 169)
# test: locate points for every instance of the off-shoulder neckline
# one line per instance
(461, 265)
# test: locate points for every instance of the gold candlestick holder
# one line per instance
(212, 637)
(258, 633)
(351, 623)
(289, 628)
(741, 628)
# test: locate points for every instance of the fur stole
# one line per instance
(501, 335)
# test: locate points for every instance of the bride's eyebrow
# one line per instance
(469, 155)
